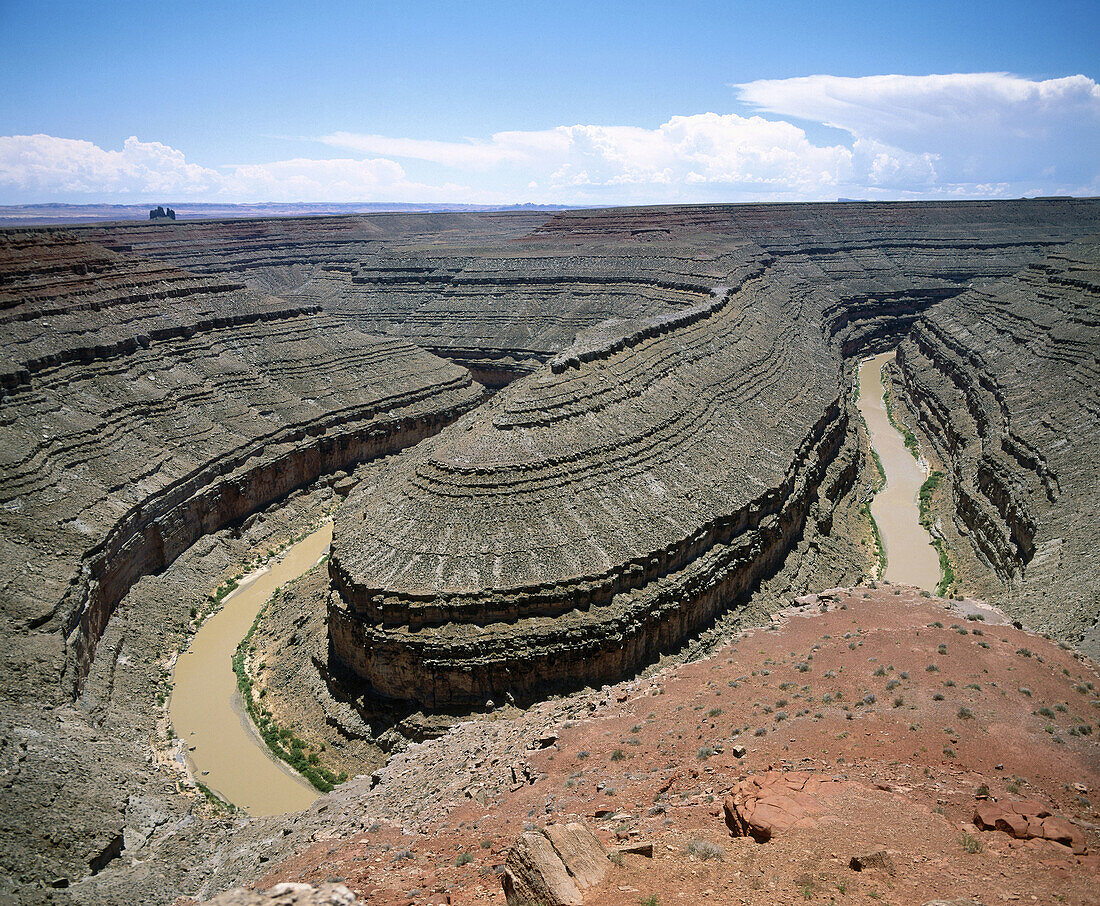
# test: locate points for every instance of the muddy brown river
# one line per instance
(911, 559)
(227, 754)
(224, 749)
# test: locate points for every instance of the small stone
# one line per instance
(879, 860)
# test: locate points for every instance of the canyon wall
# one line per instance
(594, 514)
(1005, 380)
(468, 573)
(672, 424)
(144, 406)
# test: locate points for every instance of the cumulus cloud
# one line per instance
(988, 129)
(44, 166)
(687, 152)
(957, 135)
(60, 166)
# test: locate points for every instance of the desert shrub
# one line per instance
(705, 850)
(970, 844)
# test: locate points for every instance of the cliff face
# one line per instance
(655, 451)
(1005, 381)
(595, 514)
(468, 571)
(144, 406)
(501, 293)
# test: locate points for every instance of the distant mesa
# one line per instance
(162, 213)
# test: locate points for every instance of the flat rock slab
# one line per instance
(775, 802)
(288, 895)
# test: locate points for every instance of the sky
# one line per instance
(550, 102)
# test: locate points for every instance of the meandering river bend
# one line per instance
(224, 749)
(911, 559)
(227, 754)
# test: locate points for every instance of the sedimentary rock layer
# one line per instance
(596, 513)
(144, 406)
(502, 293)
(1006, 381)
(655, 450)
(469, 572)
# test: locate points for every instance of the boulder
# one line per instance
(288, 894)
(1028, 820)
(555, 866)
(965, 901)
(771, 803)
(880, 860)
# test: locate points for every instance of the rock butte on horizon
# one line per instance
(652, 453)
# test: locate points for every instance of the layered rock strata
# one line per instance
(144, 406)
(593, 515)
(500, 293)
(628, 488)
(1005, 381)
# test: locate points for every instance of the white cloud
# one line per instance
(60, 166)
(688, 151)
(961, 129)
(958, 135)
(504, 147)
(45, 167)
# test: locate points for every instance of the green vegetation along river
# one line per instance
(224, 749)
(911, 559)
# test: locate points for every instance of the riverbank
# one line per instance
(224, 750)
(910, 556)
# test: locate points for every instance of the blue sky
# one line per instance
(550, 102)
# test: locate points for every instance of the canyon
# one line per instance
(560, 450)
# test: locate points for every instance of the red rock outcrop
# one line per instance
(1027, 820)
(768, 804)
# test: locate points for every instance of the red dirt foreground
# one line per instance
(888, 747)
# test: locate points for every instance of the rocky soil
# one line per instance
(910, 713)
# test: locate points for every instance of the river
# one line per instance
(911, 559)
(224, 749)
(227, 754)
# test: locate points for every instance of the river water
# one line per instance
(911, 559)
(225, 751)
(227, 754)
